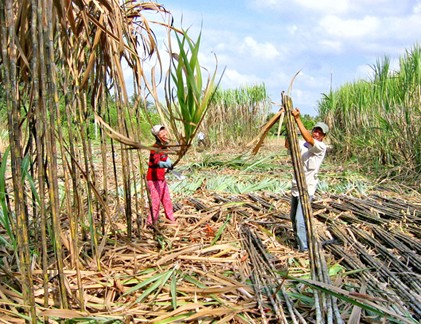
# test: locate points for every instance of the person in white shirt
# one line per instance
(201, 139)
(313, 151)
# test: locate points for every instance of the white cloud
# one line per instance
(325, 6)
(265, 51)
(417, 8)
(292, 29)
(333, 46)
(233, 79)
(334, 40)
(381, 8)
(349, 28)
(265, 3)
(303, 99)
(401, 28)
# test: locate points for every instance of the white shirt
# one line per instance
(312, 157)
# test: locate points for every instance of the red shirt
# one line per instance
(154, 171)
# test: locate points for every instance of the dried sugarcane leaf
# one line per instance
(364, 301)
(355, 316)
(258, 141)
(62, 313)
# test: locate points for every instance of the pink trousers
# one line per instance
(160, 193)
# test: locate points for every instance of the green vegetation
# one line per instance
(70, 193)
(188, 96)
(59, 81)
(236, 115)
(378, 123)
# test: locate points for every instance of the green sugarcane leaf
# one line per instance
(144, 283)
(335, 269)
(220, 230)
(27, 175)
(174, 291)
(4, 217)
(149, 291)
(304, 298)
(194, 281)
(158, 285)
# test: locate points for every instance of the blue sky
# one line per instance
(332, 42)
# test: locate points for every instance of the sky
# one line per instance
(329, 42)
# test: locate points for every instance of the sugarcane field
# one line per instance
(182, 201)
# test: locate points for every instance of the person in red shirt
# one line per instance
(158, 164)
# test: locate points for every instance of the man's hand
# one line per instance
(304, 132)
(296, 113)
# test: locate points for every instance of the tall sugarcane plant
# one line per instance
(10, 82)
(237, 115)
(378, 122)
(62, 65)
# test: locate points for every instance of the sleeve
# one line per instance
(154, 158)
(318, 147)
(165, 164)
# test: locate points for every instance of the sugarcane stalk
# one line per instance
(323, 304)
(270, 270)
(299, 175)
(268, 277)
(260, 275)
(258, 141)
(9, 78)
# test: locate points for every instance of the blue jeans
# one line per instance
(298, 223)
